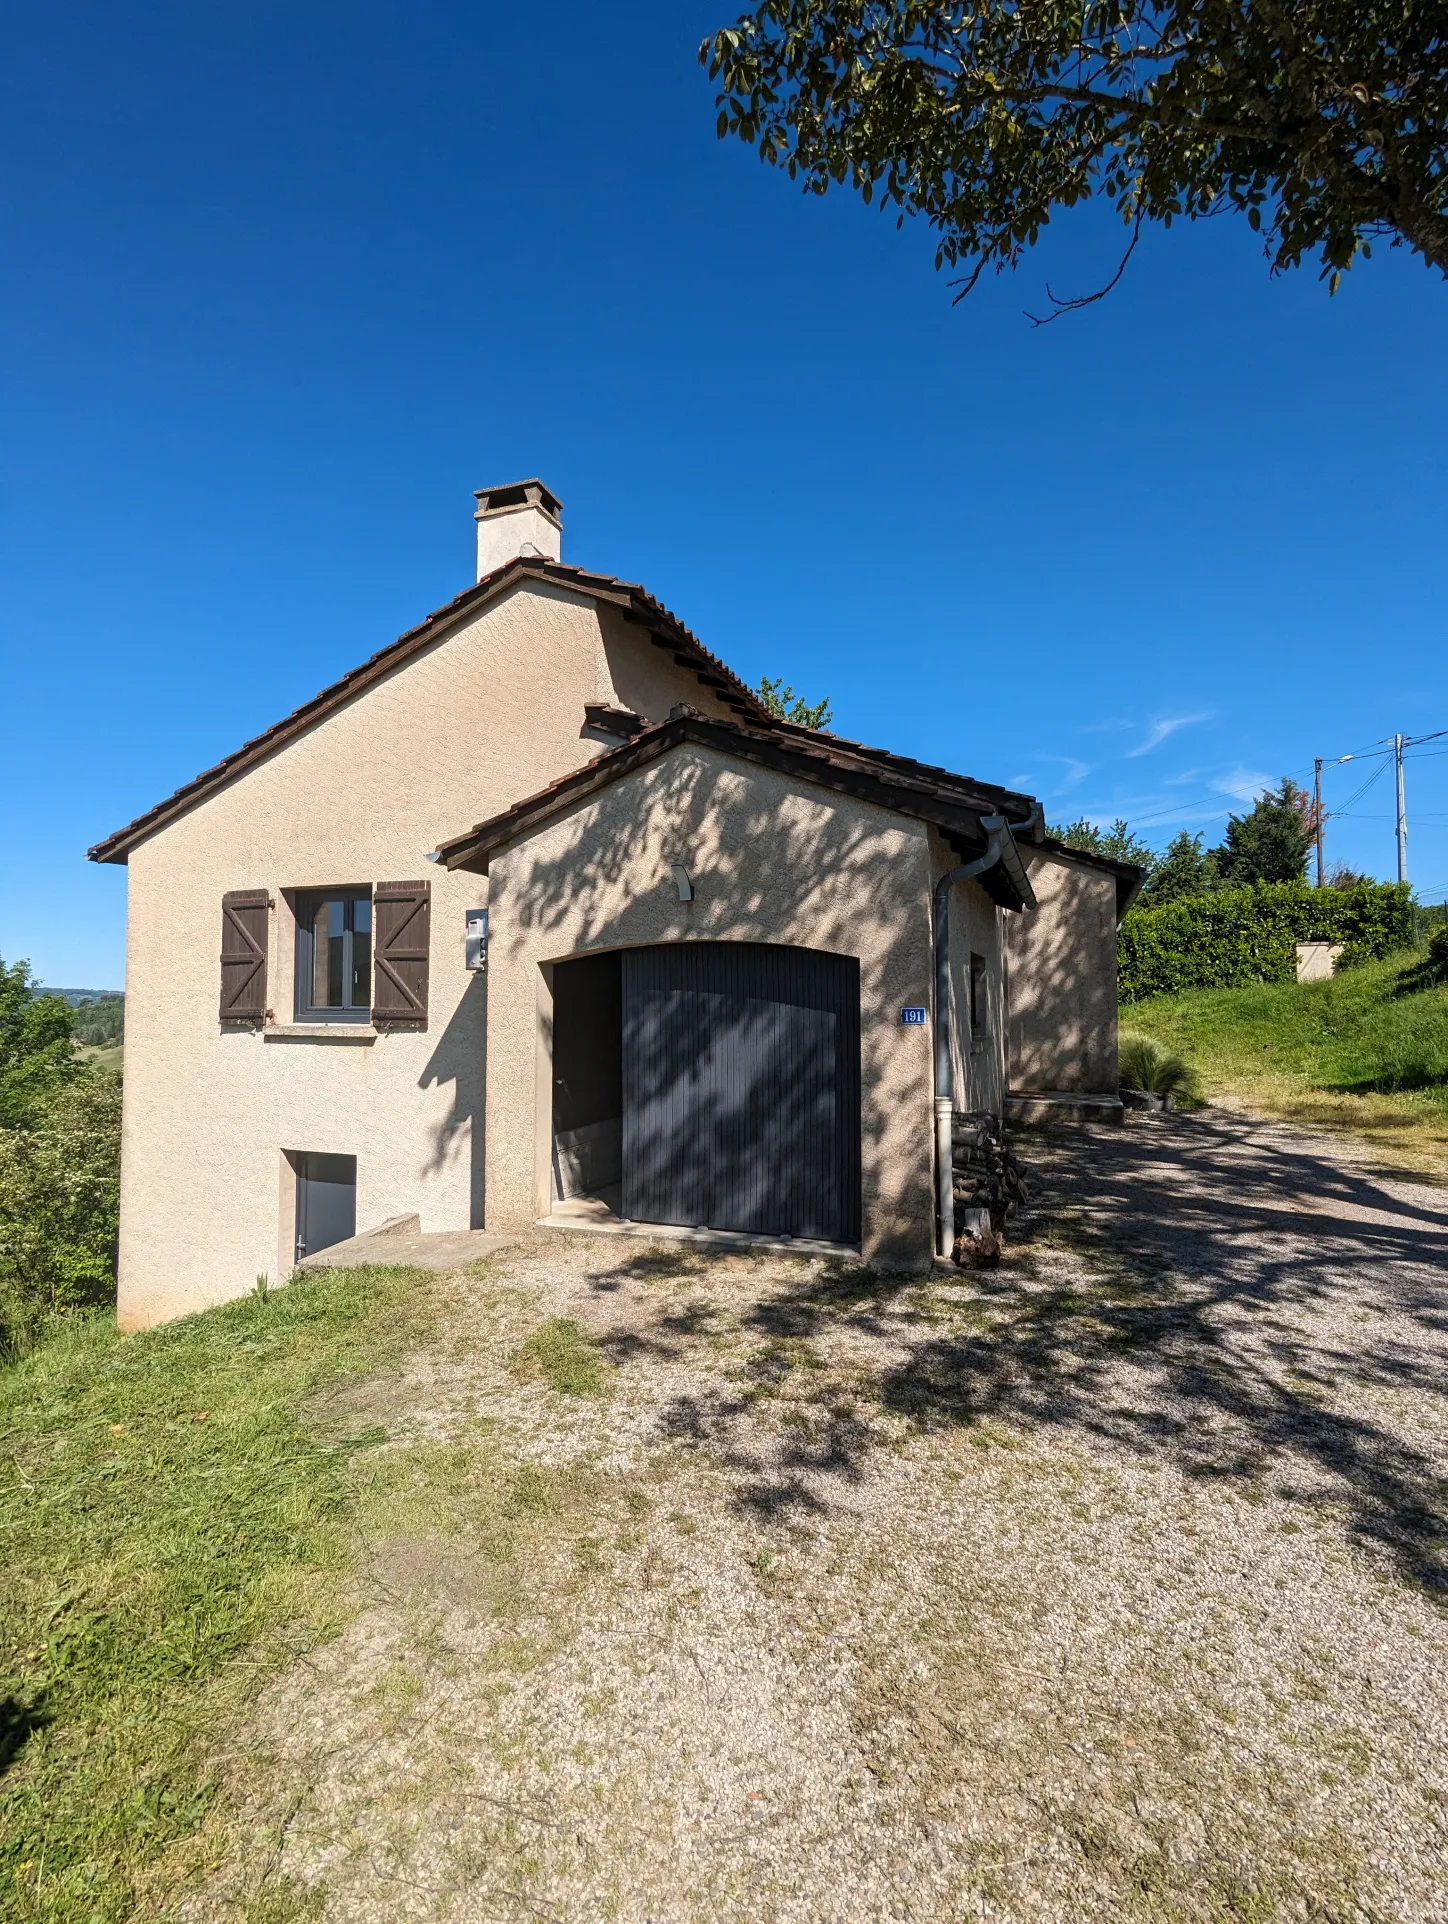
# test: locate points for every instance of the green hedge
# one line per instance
(1234, 936)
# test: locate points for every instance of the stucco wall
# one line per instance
(491, 713)
(977, 1049)
(770, 862)
(1061, 980)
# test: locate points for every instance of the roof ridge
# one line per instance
(115, 846)
(619, 761)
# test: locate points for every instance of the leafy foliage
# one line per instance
(36, 1056)
(102, 1022)
(60, 1208)
(1142, 1063)
(60, 1153)
(786, 706)
(1247, 935)
(1117, 843)
(1271, 843)
(1184, 869)
(1325, 122)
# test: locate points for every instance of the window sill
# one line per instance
(319, 1032)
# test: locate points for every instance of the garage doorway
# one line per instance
(711, 1085)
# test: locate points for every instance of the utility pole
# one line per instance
(1317, 811)
(1398, 741)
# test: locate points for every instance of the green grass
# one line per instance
(171, 1523)
(565, 1357)
(1353, 1053)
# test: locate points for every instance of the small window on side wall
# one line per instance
(978, 1003)
(334, 956)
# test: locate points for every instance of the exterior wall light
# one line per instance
(681, 876)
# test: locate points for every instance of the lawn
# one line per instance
(172, 1525)
(1355, 1054)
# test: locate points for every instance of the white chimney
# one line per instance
(522, 518)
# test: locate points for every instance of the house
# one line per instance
(690, 966)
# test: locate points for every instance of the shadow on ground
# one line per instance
(1205, 1291)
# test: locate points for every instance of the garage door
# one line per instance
(741, 1089)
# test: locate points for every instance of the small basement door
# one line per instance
(741, 1089)
(326, 1201)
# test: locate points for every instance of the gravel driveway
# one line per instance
(1110, 1584)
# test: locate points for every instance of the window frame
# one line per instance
(305, 904)
(977, 971)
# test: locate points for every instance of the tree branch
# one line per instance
(1085, 300)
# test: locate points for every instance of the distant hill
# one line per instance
(76, 996)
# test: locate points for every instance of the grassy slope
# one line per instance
(171, 1522)
(1348, 1054)
(110, 1056)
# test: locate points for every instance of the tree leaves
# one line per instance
(786, 706)
(1325, 122)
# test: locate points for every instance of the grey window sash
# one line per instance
(307, 906)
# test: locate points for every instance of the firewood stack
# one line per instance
(988, 1185)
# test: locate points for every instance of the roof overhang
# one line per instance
(1129, 876)
(953, 805)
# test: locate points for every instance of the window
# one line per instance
(334, 956)
(977, 994)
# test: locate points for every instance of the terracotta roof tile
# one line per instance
(954, 803)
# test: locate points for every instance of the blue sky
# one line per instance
(287, 282)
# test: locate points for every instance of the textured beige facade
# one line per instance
(770, 861)
(1061, 980)
(453, 1123)
(490, 713)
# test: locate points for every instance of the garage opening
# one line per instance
(588, 1080)
(711, 1085)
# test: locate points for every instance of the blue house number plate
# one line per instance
(912, 1018)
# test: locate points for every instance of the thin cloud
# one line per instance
(1076, 773)
(1161, 729)
(1243, 784)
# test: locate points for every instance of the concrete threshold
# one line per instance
(595, 1219)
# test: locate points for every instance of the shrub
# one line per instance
(59, 1208)
(1237, 936)
(1143, 1064)
(36, 1054)
(1432, 971)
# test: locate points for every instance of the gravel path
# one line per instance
(1111, 1584)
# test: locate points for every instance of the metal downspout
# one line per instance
(998, 831)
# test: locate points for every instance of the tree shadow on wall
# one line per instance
(461, 1058)
(765, 869)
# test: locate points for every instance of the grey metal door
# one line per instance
(741, 1088)
(326, 1201)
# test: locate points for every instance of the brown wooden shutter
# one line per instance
(401, 916)
(243, 955)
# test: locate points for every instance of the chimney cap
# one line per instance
(510, 495)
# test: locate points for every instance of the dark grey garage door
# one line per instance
(741, 1089)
